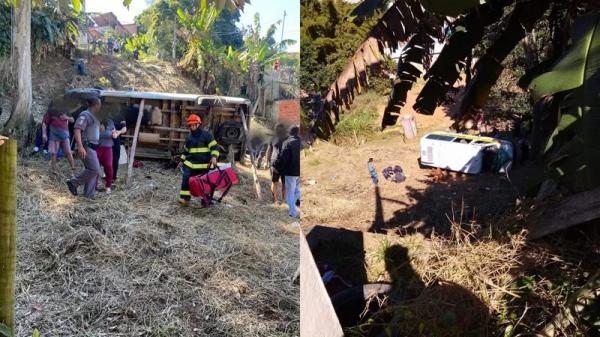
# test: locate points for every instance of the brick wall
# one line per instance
(289, 111)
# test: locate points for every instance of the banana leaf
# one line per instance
(573, 150)
(489, 67)
(570, 71)
(451, 61)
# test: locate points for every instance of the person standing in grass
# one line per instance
(87, 137)
(372, 172)
(288, 163)
(272, 154)
(105, 151)
(55, 132)
(116, 150)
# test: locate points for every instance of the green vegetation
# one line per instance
(328, 41)
(356, 127)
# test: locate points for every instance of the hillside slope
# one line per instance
(55, 74)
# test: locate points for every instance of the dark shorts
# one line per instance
(275, 176)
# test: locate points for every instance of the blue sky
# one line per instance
(270, 12)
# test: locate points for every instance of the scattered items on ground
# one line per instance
(394, 174)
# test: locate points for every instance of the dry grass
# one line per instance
(133, 263)
(472, 283)
(480, 279)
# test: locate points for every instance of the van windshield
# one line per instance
(440, 137)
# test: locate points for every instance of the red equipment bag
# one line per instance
(219, 179)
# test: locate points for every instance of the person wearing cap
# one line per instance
(87, 137)
(199, 154)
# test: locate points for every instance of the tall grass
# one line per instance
(361, 122)
(356, 127)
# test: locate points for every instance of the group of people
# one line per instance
(98, 146)
(283, 155)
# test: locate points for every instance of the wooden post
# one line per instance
(8, 224)
(231, 155)
(252, 159)
(134, 143)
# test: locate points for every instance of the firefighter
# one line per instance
(199, 154)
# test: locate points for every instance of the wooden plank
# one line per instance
(165, 128)
(172, 120)
(134, 144)
(166, 139)
(557, 215)
(253, 161)
(8, 231)
(194, 107)
(317, 315)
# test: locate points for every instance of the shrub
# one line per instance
(356, 127)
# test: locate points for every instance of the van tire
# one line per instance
(229, 132)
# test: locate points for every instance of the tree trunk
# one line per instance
(8, 221)
(174, 45)
(20, 121)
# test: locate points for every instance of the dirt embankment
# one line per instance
(55, 74)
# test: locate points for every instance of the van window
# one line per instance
(439, 137)
(461, 140)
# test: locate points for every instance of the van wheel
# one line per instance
(229, 132)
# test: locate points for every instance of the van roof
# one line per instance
(199, 99)
(454, 135)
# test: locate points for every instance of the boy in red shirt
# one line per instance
(58, 126)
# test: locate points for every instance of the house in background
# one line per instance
(99, 23)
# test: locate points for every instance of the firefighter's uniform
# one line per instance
(200, 147)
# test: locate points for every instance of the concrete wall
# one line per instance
(317, 316)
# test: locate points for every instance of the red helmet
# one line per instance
(194, 119)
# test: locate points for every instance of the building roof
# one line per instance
(131, 28)
(106, 19)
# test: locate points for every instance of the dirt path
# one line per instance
(339, 193)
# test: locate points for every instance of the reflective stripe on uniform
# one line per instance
(199, 150)
(184, 193)
(215, 153)
(183, 157)
(212, 143)
(195, 166)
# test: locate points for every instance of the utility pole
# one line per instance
(282, 28)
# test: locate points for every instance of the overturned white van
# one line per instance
(465, 153)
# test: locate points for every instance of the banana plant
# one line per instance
(259, 52)
(572, 151)
(201, 57)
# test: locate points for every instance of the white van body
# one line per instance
(459, 152)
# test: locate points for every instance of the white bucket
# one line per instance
(123, 157)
